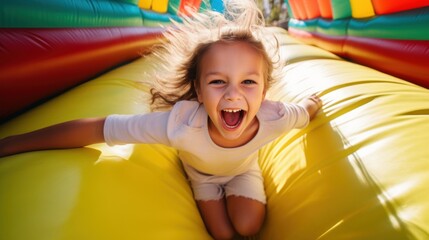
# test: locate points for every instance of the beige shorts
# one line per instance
(210, 187)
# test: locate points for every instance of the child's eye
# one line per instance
(249, 81)
(217, 81)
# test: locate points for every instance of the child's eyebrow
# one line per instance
(212, 73)
(256, 73)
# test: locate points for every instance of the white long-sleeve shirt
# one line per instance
(185, 127)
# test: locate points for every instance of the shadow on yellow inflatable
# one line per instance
(358, 171)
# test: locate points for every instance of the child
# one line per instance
(214, 90)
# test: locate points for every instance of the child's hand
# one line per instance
(316, 100)
(312, 104)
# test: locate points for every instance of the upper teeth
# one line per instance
(232, 110)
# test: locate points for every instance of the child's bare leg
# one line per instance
(247, 215)
(216, 218)
(242, 215)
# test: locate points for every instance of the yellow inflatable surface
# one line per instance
(154, 5)
(358, 171)
(362, 8)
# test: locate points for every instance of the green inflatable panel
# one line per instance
(134, 2)
(173, 6)
(59, 14)
(407, 25)
(307, 25)
(333, 27)
(341, 9)
(154, 19)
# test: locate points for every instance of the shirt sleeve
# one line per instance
(144, 128)
(297, 115)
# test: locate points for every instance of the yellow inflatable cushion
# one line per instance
(154, 5)
(358, 171)
(362, 8)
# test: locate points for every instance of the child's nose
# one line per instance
(232, 93)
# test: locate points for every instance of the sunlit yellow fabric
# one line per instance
(358, 171)
(362, 8)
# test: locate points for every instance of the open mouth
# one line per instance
(232, 118)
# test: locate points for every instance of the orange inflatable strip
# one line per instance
(300, 9)
(325, 8)
(311, 8)
(296, 13)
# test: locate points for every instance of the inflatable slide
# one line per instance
(358, 171)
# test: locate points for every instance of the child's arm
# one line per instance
(312, 104)
(72, 134)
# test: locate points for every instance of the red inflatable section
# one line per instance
(52, 60)
(407, 59)
(333, 44)
(189, 6)
(398, 57)
(392, 6)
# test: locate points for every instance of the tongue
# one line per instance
(231, 118)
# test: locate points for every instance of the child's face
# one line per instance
(232, 90)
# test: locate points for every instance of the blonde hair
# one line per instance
(186, 43)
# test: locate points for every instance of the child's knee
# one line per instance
(246, 215)
(248, 227)
(222, 234)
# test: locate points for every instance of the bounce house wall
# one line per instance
(390, 36)
(160, 6)
(188, 7)
(391, 6)
(325, 8)
(361, 8)
(217, 5)
(173, 6)
(341, 9)
(312, 9)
